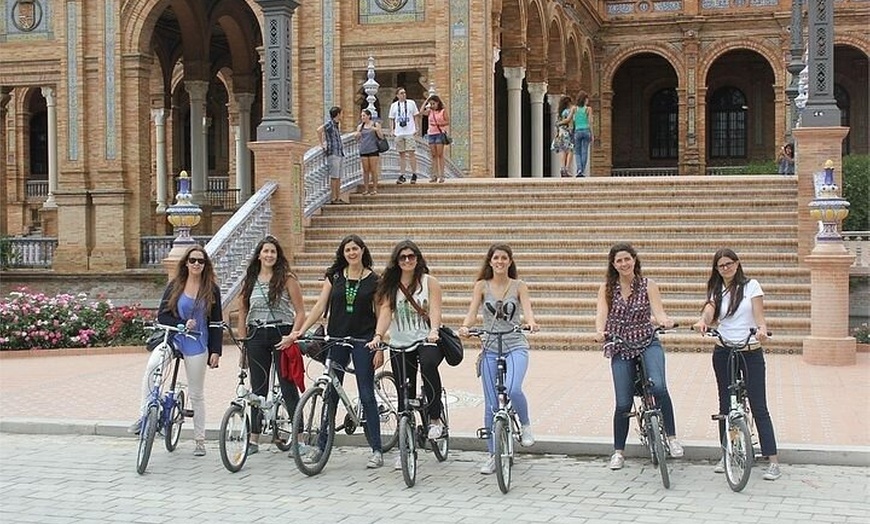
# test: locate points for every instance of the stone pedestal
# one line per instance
(281, 161)
(71, 255)
(110, 251)
(830, 343)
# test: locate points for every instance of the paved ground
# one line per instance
(92, 479)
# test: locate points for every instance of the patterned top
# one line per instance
(407, 325)
(630, 319)
(511, 309)
(332, 134)
(260, 309)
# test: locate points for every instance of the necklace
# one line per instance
(350, 291)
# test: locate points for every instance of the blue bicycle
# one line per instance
(166, 412)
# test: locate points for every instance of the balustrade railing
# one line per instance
(153, 249)
(29, 252)
(36, 189)
(645, 171)
(858, 243)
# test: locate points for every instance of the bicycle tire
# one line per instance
(174, 423)
(313, 420)
(233, 438)
(441, 445)
(408, 451)
(737, 454)
(387, 396)
(282, 426)
(146, 439)
(502, 451)
(656, 437)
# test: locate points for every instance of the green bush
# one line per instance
(856, 189)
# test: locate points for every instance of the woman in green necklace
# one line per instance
(348, 292)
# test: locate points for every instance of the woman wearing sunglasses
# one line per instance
(409, 306)
(191, 298)
(504, 298)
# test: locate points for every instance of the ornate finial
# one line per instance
(371, 87)
(828, 207)
(183, 214)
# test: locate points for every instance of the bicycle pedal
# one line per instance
(413, 402)
(484, 433)
(187, 413)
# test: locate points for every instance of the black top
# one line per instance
(361, 323)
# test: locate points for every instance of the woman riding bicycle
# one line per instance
(271, 303)
(503, 297)
(737, 304)
(349, 292)
(407, 278)
(193, 299)
(626, 302)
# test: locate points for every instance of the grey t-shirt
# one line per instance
(511, 312)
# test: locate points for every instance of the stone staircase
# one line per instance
(561, 230)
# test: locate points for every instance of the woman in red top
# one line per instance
(439, 122)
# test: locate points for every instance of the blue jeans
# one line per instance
(755, 376)
(364, 370)
(623, 386)
(517, 363)
(582, 139)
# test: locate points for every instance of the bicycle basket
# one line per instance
(314, 349)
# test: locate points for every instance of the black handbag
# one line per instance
(383, 145)
(315, 349)
(448, 341)
(447, 139)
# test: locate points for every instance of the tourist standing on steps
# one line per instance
(271, 307)
(439, 126)
(330, 140)
(626, 302)
(785, 160)
(504, 298)
(582, 132)
(563, 142)
(193, 299)
(349, 293)
(368, 132)
(405, 123)
(737, 304)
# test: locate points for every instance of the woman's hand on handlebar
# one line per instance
(374, 343)
(599, 336)
(285, 342)
(378, 358)
(433, 335)
(700, 326)
(463, 332)
(532, 326)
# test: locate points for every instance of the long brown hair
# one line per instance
(205, 295)
(388, 285)
(715, 283)
(485, 272)
(280, 273)
(613, 274)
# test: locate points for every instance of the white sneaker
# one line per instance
(435, 431)
(376, 460)
(720, 466)
(528, 437)
(675, 447)
(772, 472)
(616, 461)
(488, 467)
(397, 465)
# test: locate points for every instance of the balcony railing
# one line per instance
(153, 249)
(645, 171)
(28, 252)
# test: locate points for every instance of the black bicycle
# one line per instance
(647, 412)
(414, 436)
(738, 456)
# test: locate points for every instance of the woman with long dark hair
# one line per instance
(736, 303)
(439, 125)
(563, 141)
(582, 132)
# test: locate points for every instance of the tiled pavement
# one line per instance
(820, 413)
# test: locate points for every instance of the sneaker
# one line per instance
(253, 448)
(313, 455)
(488, 467)
(199, 449)
(617, 461)
(135, 428)
(720, 466)
(675, 447)
(376, 460)
(435, 431)
(528, 438)
(772, 472)
(397, 465)
(414, 178)
(401, 179)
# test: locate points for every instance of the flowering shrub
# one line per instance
(862, 333)
(37, 321)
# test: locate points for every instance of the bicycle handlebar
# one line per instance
(612, 338)
(408, 347)
(478, 332)
(180, 329)
(714, 333)
(329, 338)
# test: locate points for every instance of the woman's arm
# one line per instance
(471, 317)
(316, 311)
(164, 315)
(657, 306)
(589, 119)
(758, 315)
(601, 313)
(706, 317)
(526, 301)
(434, 308)
(379, 130)
(295, 291)
(385, 315)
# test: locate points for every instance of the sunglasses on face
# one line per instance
(192, 260)
(408, 257)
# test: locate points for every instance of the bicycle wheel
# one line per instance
(408, 451)
(233, 438)
(655, 437)
(441, 445)
(282, 426)
(503, 460)
(314, 422)
(146, 438)
(387, 396)
(173, 425)
(738, 454)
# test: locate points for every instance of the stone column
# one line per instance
(821, 109)
(555, 160)
(206, 123)
(537, 90)
(515, 76)
(4, 180)
(159, 117)
(197, 89)
(51, 104)
(278, 122)
(243, 155)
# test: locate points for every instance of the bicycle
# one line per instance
(165, 412)
(314, 418)
(235, 429)
(411, 435)
(737, 445)
(506, 425)
(647, 413)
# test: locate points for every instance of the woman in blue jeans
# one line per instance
(626, 302)
(503, 298)
(582, 132)
(737, 304)
(349, 293)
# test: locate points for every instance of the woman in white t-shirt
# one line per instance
(737, 304)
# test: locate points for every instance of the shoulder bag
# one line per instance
(448, 341)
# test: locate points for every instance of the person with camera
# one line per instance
(785, 160)
(330, 140)
(404, 123)
(437, 135)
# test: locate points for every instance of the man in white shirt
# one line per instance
(404, 123)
